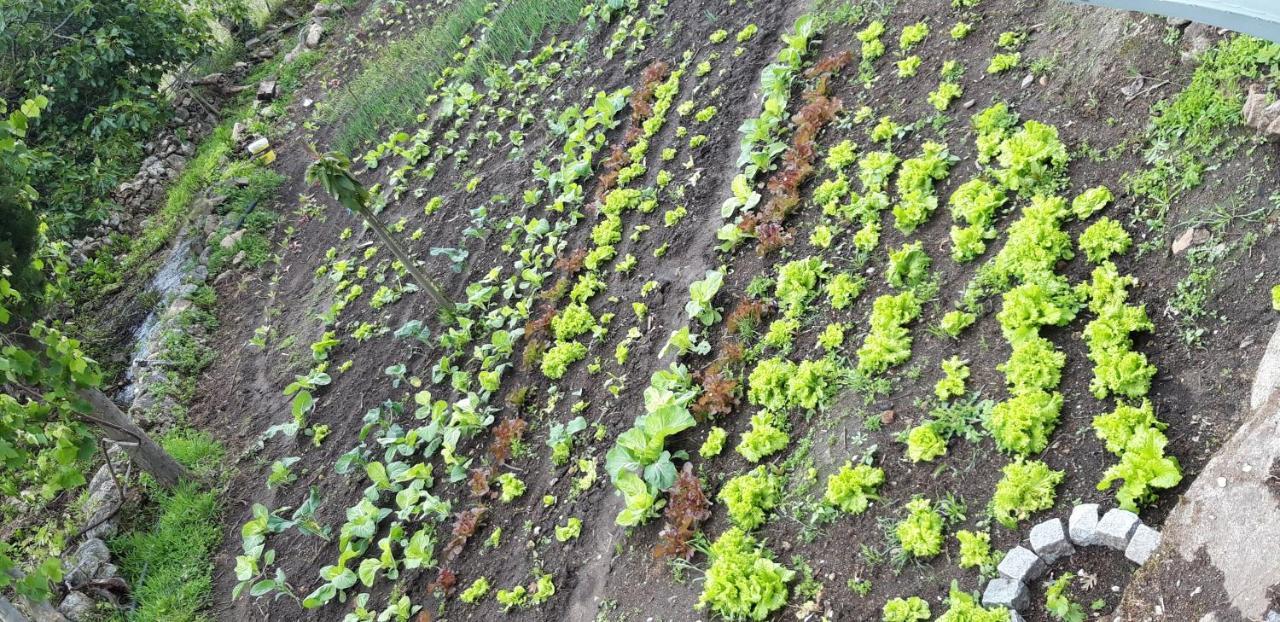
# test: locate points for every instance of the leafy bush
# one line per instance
(963, 607)
(556, 361)
(747, 497)
(1027, 487)
(1022, 423)
(954, 322)
(992, 125)
(946, 93)
(925, 443)
(1119, 426)
(889, 342)
(812, 384)
(764, 438)
(1090, 201)
(852, 489)
(968, 243)
(908, 266)
(780, 334)
(767, 384)
(954, 372)
(742, 581)
(1103, 239)
(714, 444)
(843, 289)
(841, 155)
(638, 463)
(1033, 159)
(797, 282)
(912, 35)
(975, 548)
(908, 66)
(701, 293)
(512, 487)
(1034, 365)
(575, 319)
(1143, 467)
(912, 609)
(1047, 301)
(920, 533)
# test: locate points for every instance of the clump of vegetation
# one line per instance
(920, 533)
(749, 496)
(742, 581)
(852, 489)
(1027, 487)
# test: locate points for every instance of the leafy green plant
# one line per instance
(889, 342)
(1058, 605)
(557, 359)
(1003, 62)
(947, 92)
(1022, 423)
(742, 581)
(912, 35)
(920, 533)
(853, 488)
(714, 443)
(910, 609)
(1104, 238)
(797, 282)
(570, 530)
(975, 548)
(908, 66)
(954, 372)
(749, 496)
(908, 266)
(701, 293)
(639, 451)
(1143, 467)
(1033, 159)
(476, 591)
(512, 487)
(766, 437)
(963, 607)
(1027, 487)
(1090, 202)
(954, 322)
(843, 289)
(925, 443)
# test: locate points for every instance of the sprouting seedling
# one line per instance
(332, 171)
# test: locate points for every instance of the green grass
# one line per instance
(1191, 132)
(170, 565)
(390, 89)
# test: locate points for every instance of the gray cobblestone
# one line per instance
(1083, 524)
(1049, 541)
(1115, 528)
(1142, 544)
(1008, 593)
(1022, 565)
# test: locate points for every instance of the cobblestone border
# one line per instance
(1050, 541)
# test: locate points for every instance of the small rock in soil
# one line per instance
(1189, 238)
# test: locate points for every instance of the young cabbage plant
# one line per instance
(333, 173)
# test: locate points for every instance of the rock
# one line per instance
(1142, 544)
(85, 562)
(325, 9)
(1083, 524)
(237, 132)
(969, 104)
(1028, 80)
(1049, 541)
(267, 90)
(1007, 593)
(1189, 238)
(76, 606)
(235, 261)
(231, 239)
(106, 571)
(1272, 616)
(314, 33)
(1014, 616)
(103, 497)
(1022, 565)
(259, 145)
(1260, 115)
(1115, 528)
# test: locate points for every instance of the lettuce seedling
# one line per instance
(912, 609)
(852, 489)
(920, 533)
(1027, 487)
(749, 496)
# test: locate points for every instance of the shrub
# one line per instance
(954, 373)
(764, 438)
(975, 548)
(742, 582)
(852, 489)
(920, 533)
(747, 497)
(1090, 201)
(912, 609)
(908, 266)
(1026, 488)
(1103, 239)
(843, 289)
(1022, 423)
(925, 443)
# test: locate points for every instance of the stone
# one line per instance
(1142, 544)
(267, 90)
(106, 571)
(85, 562)
(238, 259)
(76, 606)
(1007, 593)
(259, 145)
(1022, 565)
(1014, 616)
(231, 239)
(1115, 527)
(1049, 541)
(1083, 524)
(314, 33)
(1272, 616)
(1189, 238)
(1028, 80)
